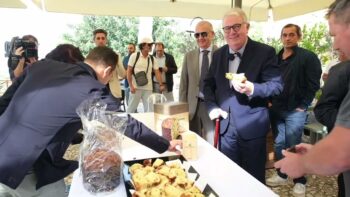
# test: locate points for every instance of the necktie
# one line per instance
(231, 56)
(204, 69)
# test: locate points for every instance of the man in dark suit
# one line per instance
(167, 68)
(243, 133)
(40, 121)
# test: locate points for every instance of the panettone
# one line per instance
(171, 128)
(101, 170)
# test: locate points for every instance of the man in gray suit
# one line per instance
(191, 82)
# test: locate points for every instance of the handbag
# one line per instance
(141, 77)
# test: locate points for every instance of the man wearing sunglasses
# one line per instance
(194, 68)
(243, 132)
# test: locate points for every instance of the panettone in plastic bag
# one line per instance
(100, 153)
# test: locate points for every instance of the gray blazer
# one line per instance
(189, 82)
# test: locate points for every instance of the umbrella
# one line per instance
(209, 9)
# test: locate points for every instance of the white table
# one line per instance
(224, 176)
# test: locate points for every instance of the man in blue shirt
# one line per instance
(131, 50)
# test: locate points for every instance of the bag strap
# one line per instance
(137, 58)
(152, 60)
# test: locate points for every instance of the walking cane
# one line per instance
(217, 131)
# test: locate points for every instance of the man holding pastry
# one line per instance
(240, 100)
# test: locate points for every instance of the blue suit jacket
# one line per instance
(248, 115)
(40, 120)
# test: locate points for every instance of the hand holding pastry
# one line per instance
(240, 83)
(247, 88)
(237, 77)
(174, 146)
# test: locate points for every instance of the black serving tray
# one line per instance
(208, 191)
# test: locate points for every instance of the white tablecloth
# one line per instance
(224, 176)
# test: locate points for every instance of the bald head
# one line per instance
(204, 34)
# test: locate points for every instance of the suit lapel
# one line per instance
(225, 60)
(247, 58)
(227, 63)
(196, 64)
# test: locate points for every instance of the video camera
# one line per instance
(29, 47)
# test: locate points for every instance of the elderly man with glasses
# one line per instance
(194, 68)
(241, 105)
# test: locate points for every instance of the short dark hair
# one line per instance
(31, 37)
(298, 29)
(103, 55)
(340, 9)
(141, 45)
(67, 53)
(100, 31)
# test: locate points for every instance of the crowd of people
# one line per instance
(275, 94)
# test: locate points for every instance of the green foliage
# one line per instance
(317, 39)
(176, 43)
(121, 30)
(219, 39)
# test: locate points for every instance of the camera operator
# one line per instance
(24, 52)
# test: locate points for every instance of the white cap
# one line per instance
(146, 40)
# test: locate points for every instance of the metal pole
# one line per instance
(238, 3)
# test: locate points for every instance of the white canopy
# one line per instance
(12, 4)
(208, 9)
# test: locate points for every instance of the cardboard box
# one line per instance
(177, 110)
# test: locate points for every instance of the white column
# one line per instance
(145, 27)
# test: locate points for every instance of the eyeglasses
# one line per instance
(203, 34)
(235, 28)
